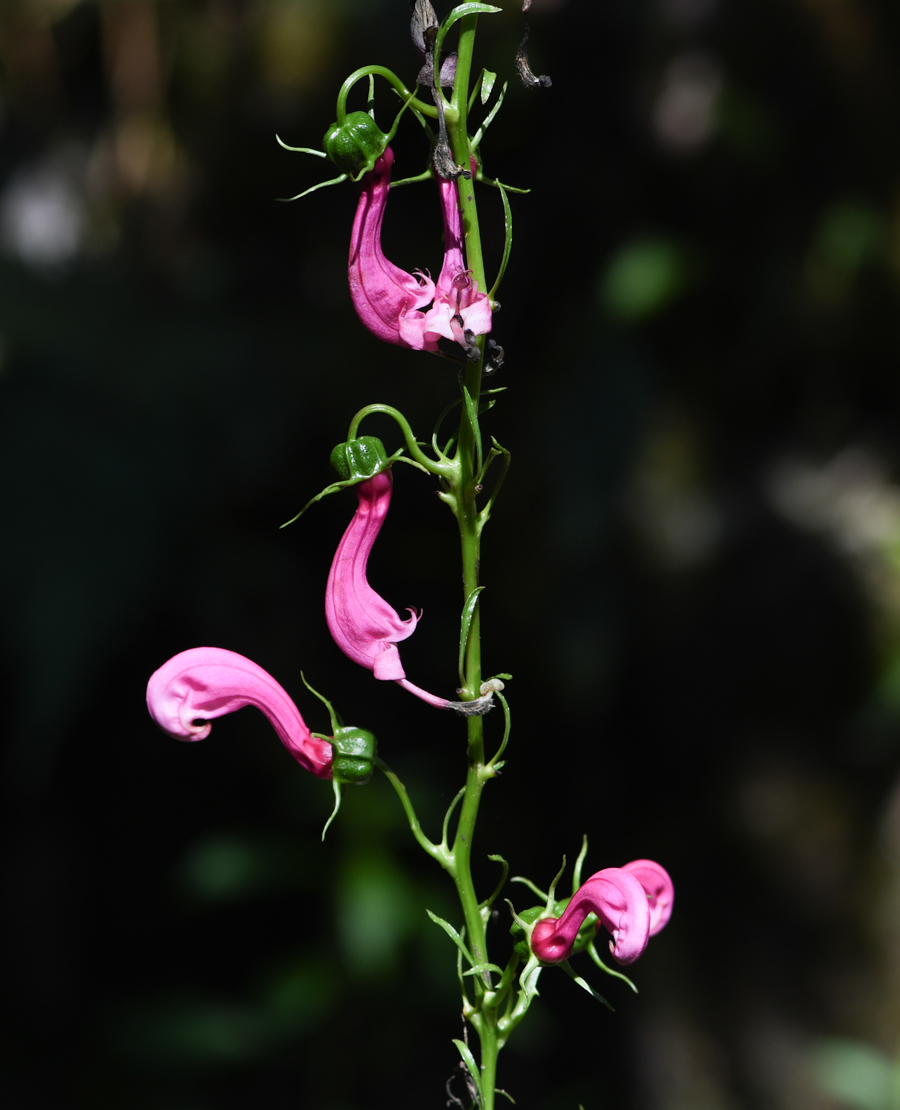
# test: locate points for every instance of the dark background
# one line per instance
(693, 571)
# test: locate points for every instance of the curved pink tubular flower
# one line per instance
(386, 298)
(361, 622)
(459, 311)
(618, 899)
(209, 682)
(659, 889)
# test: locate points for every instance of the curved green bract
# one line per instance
(356, 145)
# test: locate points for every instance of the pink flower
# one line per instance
(459, 311)
(207, 682)
(633, 902)
(659, 890)
(386, 298)
(361, 622)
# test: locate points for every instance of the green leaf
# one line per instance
(489, 118)
(507, 224)
(452, 934)
(487, 85)
(478, 969)
(471, 1067)
(472, 416)
(465, 628)
(458, 13)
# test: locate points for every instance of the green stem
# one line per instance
(412, 445)
(389, 75)
(483, 1012)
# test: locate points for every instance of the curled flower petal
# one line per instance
(618, 900)
(459, 311)
(386, 298)
(361, 622)
(659, 889)
(195, 686)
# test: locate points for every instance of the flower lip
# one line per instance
(386, 298)
(460, 312)
(618, 900)
(205, 683)
(659, 889)
(361, 622)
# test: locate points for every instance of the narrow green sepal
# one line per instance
(478, 969)
(585, 986)
(354, 755)
(337, 806)
(356, 145)
(358, 459)
(335, 487)
(595, 956)
(576, 874)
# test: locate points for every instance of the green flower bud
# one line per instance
(354, 755)
(359, 459)
(357, 145)
(585, 933)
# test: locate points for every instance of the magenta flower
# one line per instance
(195, 686)
(361, 622)
(386, 298)
(659, 890)
(459, 312)
(622, 902)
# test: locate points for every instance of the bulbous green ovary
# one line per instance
(356, 146)
(354, 755)
(359, 458)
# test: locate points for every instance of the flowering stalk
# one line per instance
(632, 902)
(482, 1010)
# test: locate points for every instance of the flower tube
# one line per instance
(459, 312)
(361, 622)
(386, 298)
(619, 901)
(196, 686)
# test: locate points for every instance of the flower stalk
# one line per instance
(632, 902)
